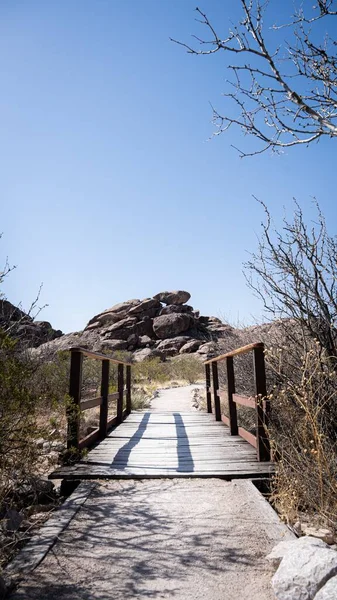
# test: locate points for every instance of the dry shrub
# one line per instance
(303, 436)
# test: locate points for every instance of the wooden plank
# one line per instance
(249, 437)
(89, 440)
(90, 403)
(128, 389)
(244, 400)
(208, 388)
(103, 415)
(263, 445)
(98, 356)
(216, 397)
(120, 393)
(73, 413)
(233, 419)
(237, 352)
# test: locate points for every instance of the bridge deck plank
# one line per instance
(168, 444)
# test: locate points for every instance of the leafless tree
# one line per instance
(294, 272)
(284, 91)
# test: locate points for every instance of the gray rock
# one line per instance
(113, 345)
(171, 346)
(328, 591)
(145, 340)
(306, 565)
(176, 297)
(176, 308)
(191, 346)
(145, 305)
(117, 310)
(128, 322)
(144, 354)
(132, 341)
(171, 325)
(144, 327)
(207, 348)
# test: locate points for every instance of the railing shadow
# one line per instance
(185, 460)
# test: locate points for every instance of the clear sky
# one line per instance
(109, 187)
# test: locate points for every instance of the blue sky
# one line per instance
(109, 186)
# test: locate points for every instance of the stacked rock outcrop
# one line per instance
(162, 326)
(24, 328)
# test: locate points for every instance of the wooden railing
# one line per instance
(259, 402)
(78, 405)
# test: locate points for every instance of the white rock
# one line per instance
(328, 591)
(281, 549)
(304, 567)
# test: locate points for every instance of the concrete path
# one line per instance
(174, 539)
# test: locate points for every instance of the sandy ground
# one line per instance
(173, 539)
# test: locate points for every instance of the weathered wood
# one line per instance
(73, 411)
(120, 393)
(98, 356)
(244, 400)
(249, 437)
(128, 389)
(263, 445)
(237, 352)
(103, 414)
(90, 403)
(217, 407)
(169, 445)
(89, 440)
(208, 388)
(233, 419)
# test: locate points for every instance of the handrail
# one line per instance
(99, 356)
(260, 402)
(237, 352)
(78, 405)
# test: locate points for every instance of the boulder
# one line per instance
(128, 322)
(171, 346)
(144, 306)
(328, 591)
(305, 567)
(176, 308)
(176, 297)
(132, 341)
(191, 346)
(171, 325)
(117, 310)
(144, 354)
(144, 341)
(113, 345)
(144, 327)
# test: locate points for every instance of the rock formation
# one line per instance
(22, 326)
(162, 326)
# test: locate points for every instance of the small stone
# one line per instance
(323, 534)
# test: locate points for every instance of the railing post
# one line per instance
(208, 388)
(263, 445)
(233, 418)
(120, 393)
(103, 413)
(128, 389)
(73, 411)
(217, 407)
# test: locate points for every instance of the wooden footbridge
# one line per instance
(155, 444)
